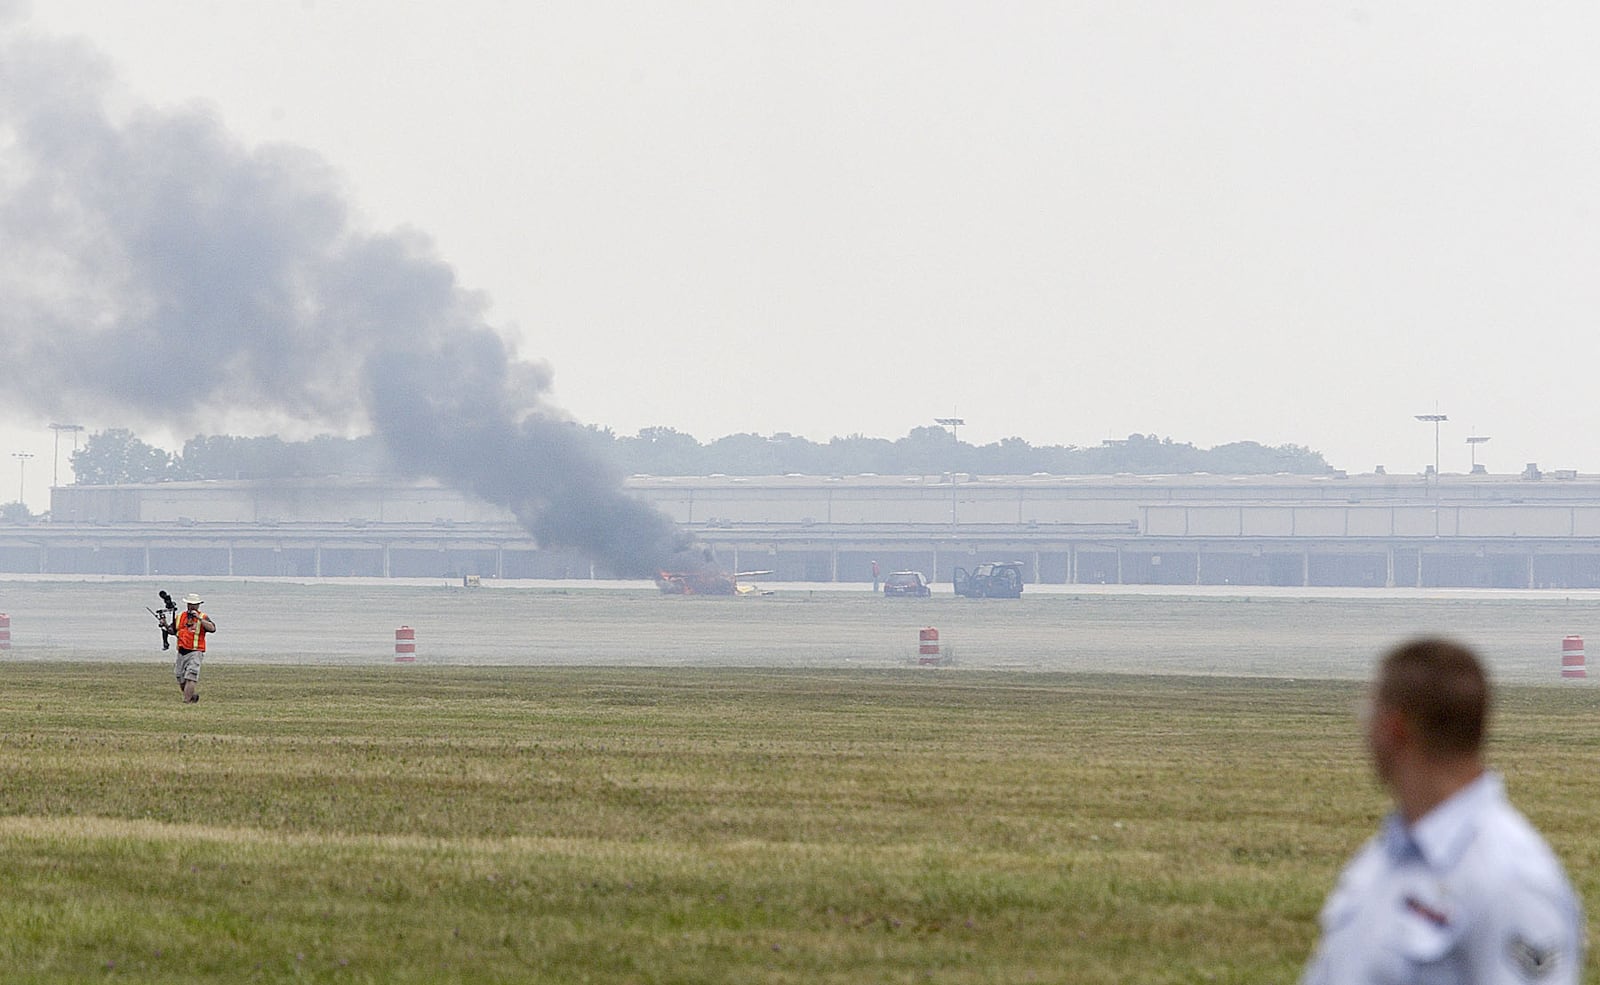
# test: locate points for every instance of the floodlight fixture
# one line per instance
(1473, 441)
(22, 472)
(1434, 419)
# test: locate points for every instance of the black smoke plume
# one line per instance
(156, 269)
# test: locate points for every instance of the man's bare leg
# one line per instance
(191, 691)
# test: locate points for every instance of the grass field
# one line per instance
(425, 824)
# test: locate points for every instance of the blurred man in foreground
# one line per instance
(1457, 886)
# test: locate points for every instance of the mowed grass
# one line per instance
(423, 824)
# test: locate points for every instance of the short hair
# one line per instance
(1439, 686)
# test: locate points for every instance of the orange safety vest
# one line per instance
(191, 631)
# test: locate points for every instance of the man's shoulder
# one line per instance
(1501, 823)
(1524, 895)
(1508, 857)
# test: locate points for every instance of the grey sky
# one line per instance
(1211, 221)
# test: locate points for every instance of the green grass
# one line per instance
(421, 824)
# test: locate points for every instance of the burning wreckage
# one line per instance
(708, 581)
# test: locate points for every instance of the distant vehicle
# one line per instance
(994, 580)
(910, 583)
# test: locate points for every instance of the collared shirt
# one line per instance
(1470, 893)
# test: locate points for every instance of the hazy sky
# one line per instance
(1212, 221)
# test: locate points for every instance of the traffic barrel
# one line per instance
(1572, 668)
(928, 647)
(405, 645)
(5, 631)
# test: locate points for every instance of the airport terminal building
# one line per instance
(1532, 530)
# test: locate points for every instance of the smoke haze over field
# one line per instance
(160, 270)
(1066, 222)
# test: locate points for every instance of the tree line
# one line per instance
(118, 456)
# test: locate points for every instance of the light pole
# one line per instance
(55, 470)
(22, 472)
(954, 424)
(1473, 441)
(1435, 418)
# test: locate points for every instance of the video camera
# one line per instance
(166, 618)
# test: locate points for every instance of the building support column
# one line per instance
(1072, 564)
(1388, 575)
(1119, 566)
(1305, 568)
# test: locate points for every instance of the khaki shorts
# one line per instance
(187, 666)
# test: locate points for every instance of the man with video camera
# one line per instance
(191, 626)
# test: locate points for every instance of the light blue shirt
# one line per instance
(1469, 894)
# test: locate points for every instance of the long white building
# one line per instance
(1529, 530)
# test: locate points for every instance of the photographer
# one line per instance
(191, 626)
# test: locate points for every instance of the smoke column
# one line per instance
(157, 269)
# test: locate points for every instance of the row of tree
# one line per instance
(118, 456)
(926, 450)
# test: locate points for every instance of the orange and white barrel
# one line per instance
(405, 645)
(5, 631)
(1572, 668)
(928, 647)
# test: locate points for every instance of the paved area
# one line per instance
(1146, 629)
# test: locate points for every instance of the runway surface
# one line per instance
(1121, 629)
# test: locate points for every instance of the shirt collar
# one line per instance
(1443, 833)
